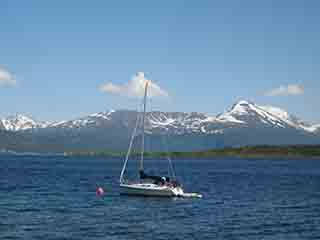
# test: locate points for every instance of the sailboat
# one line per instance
(148, 185)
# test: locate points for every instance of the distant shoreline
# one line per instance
(273, 152)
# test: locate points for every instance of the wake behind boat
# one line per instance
(150, 185)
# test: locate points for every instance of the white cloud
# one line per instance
(6, 78)
(134, 88)
(291, 89)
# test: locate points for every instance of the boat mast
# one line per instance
(143, 120)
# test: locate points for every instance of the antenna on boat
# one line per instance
(143, 121)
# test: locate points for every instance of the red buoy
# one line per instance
(100, 191)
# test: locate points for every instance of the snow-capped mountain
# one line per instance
(241, 114)
(248, 113)
(20, 122)
(245, 123)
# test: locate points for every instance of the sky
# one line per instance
(64, 59)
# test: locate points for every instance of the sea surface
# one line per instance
(55, 198)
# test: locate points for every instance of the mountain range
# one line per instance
(245, 123)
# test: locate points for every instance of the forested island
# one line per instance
(297, 151)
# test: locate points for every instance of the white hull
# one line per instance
(150, 189)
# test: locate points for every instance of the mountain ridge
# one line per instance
(244, 124)
(237, 114)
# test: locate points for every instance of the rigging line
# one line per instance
(163, 138)
(130, 146)
(167, 155)
(166, 149)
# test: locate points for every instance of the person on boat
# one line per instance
(175, 183)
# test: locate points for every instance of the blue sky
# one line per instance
(205, 54)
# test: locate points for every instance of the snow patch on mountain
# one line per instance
(90, 120)
(104, 115)
(228, 118)
(177, 123)
(289, 119)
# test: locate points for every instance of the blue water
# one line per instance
(54, 198)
